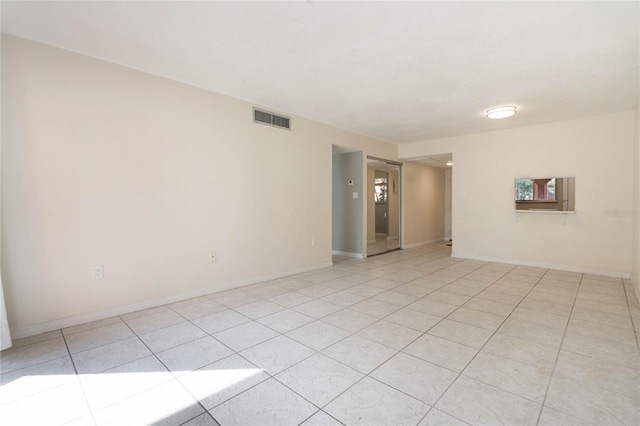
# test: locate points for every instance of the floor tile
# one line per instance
(413, 319)
(221, 321)
(277, 354)
(269, 403)
(477, 318)
(522, 350)
(108, 356)
(155, 321)
(592, 404)
(25, 356)
(465, 334)
(215, 383)
(193, 355)
(432, 307)
(291, 299)
(259, 309)
(203, 419)
(359, 353)
(390, 334)
(343, 298)
(438, 418)
(613, 377)
(447, 297)
(58, 405)
(350, 320)
(318, 335)
(500, 297)
(317, 291)
(317, 308)
(395, 298)
(200, 309)
(168, 337)
(389, 302)
(444, 353)
(489, 306)
(375, 308)
(319, 379)
(37, 378)
(365, 290)
(553, 417)
(16, 343)
(321, 419)
(84, 340)
(522, 379)
(285, 321)
(532, 331)
(245, 335)
(371, 402)
(168, 403)
(413, 376)
(603, 350)
(477, 403)
(412, 290)
(124, 381)
(543, 318)
(234, 299)
(99, 323)
(601, 331)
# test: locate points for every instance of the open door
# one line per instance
(383, 205)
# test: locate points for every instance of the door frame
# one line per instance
(400, 201)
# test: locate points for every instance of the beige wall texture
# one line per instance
(424, 204)
(102, 164)
(597, 151)
(636, 204)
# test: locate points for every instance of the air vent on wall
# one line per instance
(265, 117)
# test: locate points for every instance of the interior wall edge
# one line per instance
(45, 327)
(558, 267)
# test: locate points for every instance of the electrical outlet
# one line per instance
(97, 272)
(212, 257)
(313, 242)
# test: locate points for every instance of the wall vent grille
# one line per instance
(265, 117)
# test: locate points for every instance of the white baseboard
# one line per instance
(348, 254)
(33, 330)
(604, 272)
(421, 243)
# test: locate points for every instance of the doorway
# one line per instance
(383, 205)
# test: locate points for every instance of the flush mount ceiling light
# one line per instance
(501, 112)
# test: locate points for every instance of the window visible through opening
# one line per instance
(380, 187)
(536, 189)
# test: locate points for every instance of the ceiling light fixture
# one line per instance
(449, 163)
(501, 112)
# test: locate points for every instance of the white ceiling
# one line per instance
(400, 72)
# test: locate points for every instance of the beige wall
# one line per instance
(636, 204)
(106, 165)
(424, 204)
(597, 151)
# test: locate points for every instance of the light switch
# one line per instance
(354, 194)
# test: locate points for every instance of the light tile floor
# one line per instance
(410, 337)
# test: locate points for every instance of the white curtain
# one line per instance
(5, 335)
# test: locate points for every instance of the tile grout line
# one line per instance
(553, 370)
(633, 326)
(485, 343)
(84, 393)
